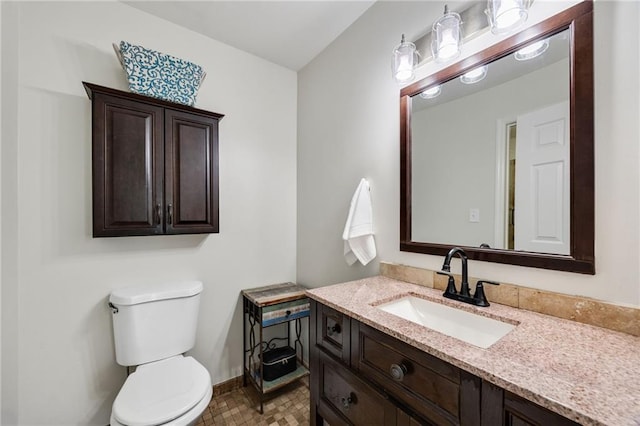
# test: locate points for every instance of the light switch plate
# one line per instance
(474, 215)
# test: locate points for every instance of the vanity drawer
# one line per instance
(433, 388)
(333, 332)
(345, 399)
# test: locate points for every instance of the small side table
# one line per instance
(265, 307)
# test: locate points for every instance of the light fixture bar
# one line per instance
(447, 43)
(506, 16)
(404, 61)
(474, 23)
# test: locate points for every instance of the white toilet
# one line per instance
(153, 326)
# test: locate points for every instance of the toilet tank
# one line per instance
(154, 322)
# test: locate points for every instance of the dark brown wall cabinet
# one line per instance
(361, 376)
(155, 166)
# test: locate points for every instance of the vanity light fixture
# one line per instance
(532, 51)
(506, 15)
(475, 75)
(447, 36)
(404, 61)
(431, 92)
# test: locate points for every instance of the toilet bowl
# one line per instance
(153, 326)
(170, 392)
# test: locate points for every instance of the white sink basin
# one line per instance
(471, 328)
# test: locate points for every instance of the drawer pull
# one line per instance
(334, 329)
(398, 371)
(346, 402)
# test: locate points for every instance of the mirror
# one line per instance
(496, 154)
(503, 167)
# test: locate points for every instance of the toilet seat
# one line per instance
(190, 418)
(161, 391)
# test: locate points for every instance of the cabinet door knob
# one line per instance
(333, 329)
(169, 214)
(347, 401)
(398, 371)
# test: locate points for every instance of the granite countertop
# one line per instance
(588, 374)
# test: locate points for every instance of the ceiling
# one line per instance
(288, 33)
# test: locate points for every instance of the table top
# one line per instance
(274, 294)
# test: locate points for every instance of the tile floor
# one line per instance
(286, 407)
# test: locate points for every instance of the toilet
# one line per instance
(153, 326)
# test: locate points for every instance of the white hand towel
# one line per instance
(359, 243)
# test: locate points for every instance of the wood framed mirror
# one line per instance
(451, 196)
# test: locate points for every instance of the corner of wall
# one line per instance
(9, 212)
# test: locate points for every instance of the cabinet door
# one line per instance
(191, 173)
(344, 399)
(128, 157)
(403, 418)
(333, 332)
(501, 407)
(520, 412)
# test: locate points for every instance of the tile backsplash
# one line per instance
(574, 308)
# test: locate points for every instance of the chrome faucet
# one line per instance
(479, 298)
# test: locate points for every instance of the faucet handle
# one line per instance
(479, 298)
(451, 285)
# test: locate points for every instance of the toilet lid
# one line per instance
(161, 391)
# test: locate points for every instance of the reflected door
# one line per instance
(542, 181)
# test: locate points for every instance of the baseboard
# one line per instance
(227, 386)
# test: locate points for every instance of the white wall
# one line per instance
(64, 368)
(57, 351)
(9, 214)
(463, 159)
(348, 126)
(0, 213)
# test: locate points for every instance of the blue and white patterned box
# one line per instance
(160, 75)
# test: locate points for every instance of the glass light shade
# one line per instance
(404, 61)
(431, 92)
(446, 37)
(506, 15)
(475, 75)
(532, 51)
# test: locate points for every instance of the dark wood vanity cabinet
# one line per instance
(435, 390)
(155, 166)
(344, 397)
(332, 333)
(501, 407)
(387, 382)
